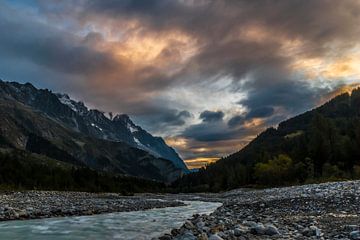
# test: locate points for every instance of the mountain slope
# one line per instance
(32, 121)
(321, 144)
(94, 123)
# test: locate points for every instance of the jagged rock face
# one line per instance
(94, 123)
(69, 128)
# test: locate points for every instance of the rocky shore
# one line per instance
(318, 211)
(44, 204)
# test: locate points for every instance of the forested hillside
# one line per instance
(319, 145)
(22, 170)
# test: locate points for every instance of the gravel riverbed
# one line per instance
(317, 211)
(44, 204)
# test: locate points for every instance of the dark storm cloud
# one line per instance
(262, 46)
(163, 119)
(210, 116)
(236, 121)
(174, 117)
(213, 128)
(260, 112)
(295, 17)
(294, 97)
(47, 47)
(208, 132)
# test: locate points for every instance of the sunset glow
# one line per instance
(207, 76)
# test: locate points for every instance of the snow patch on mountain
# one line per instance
(65, 99)
(119, 128)
(131, 128)
(96, 126)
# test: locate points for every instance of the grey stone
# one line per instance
(312, 231)
(189, 225)
(271, 230)
(258, 229)
(351, 228)
(186, 236)
(355, 235)
(215, 237)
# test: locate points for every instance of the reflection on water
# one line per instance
(127, 225)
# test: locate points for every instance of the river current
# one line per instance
(138, 225)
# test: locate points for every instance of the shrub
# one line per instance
(276, 171)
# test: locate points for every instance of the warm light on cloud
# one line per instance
(200, 162)
(166, 62)
(342, 68)
(329, 68)
(344, 89)
(255, 122)
(176, 142)
(149, 48)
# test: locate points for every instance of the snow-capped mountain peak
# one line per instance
(78, 107)
(94, 123)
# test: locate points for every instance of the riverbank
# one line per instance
(45, 204)
(134, 225)
(318, 211)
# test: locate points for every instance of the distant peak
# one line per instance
(78, 107)
(27, 84)
(121, 117)
(62, 95)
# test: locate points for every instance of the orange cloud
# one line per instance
(330, 68)
(200, 162)
(336, 92)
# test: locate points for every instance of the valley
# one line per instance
(63, 162)
(179, 120)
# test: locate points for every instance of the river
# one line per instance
(139, 225)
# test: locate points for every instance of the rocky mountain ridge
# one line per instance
(40, 121)
(92, 122)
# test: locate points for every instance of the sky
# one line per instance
(207, 76)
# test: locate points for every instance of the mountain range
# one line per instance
(61, 133)
(53, 124)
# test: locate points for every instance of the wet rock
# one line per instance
(186, 236)
(258, 229)
(312, 231)
(189, 225)
(203, 236)
(239, 231)
(355, 235)
(351, 228)
(200, 225)
(215, 237)
(271, 230)
(165, 237)
(250, 224)
(217, 228)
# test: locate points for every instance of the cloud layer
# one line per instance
(207, 75)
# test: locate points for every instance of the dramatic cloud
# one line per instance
(236, 121)
(207, 75)
(209, 116)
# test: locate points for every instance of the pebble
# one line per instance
(355, 235)
(215, 237)
(314, 211)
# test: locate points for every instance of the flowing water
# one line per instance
(125, 225)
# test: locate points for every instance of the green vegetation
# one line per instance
(317, 146)
(24, 170)
(275, 172)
